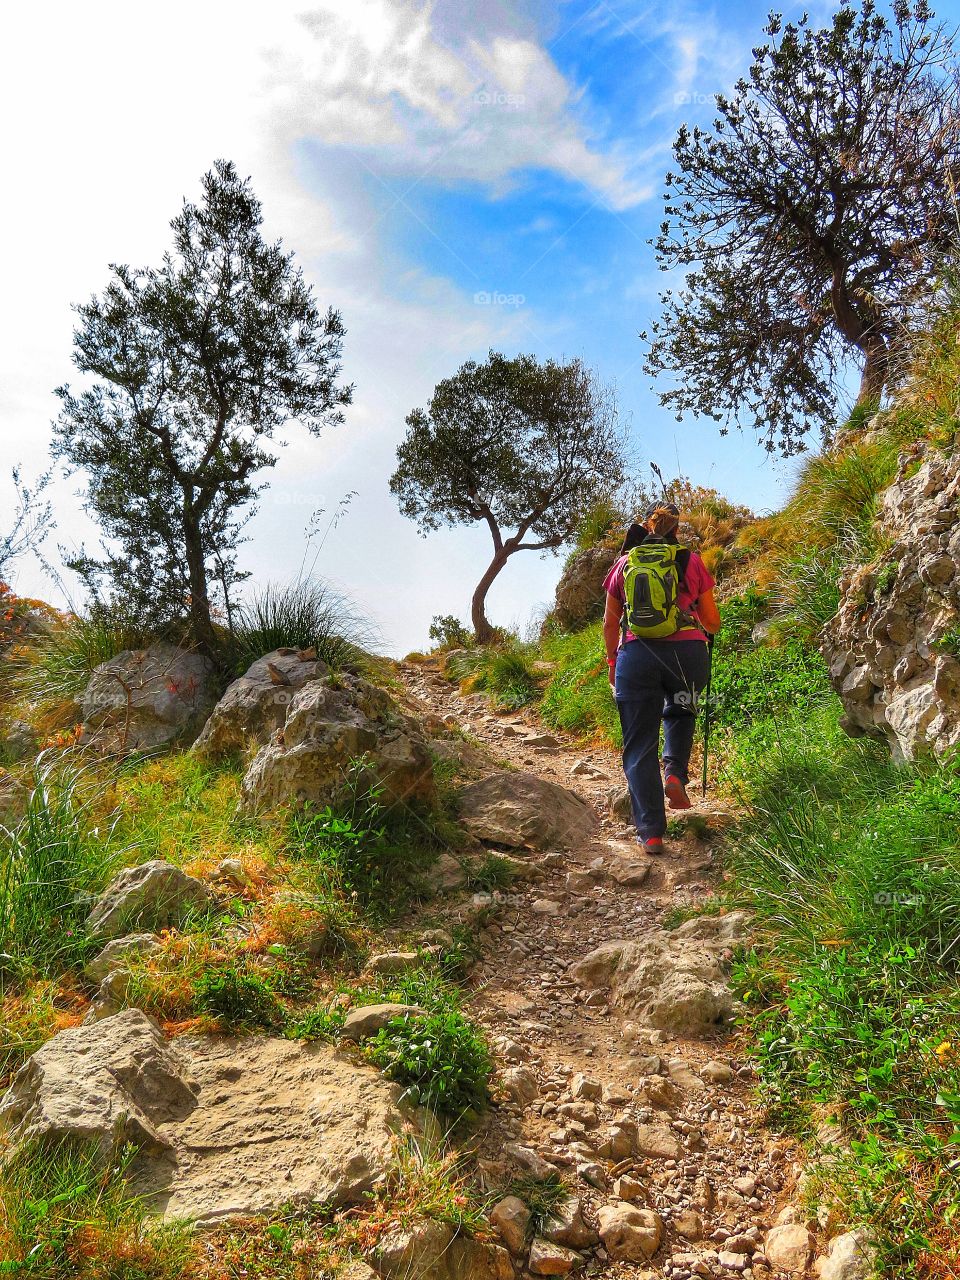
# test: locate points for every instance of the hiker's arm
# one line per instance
(611, 631)
(708, 613)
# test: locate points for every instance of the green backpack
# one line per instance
(651, 582)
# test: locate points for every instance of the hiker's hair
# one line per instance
(663, 521)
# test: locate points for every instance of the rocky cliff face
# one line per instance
(892, 647)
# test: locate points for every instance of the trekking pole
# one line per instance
(706, 715)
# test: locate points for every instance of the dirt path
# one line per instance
(577, 1071)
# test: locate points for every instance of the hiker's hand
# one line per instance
(612, 673)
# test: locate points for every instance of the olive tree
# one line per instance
(520, 445)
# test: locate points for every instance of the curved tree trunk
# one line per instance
(876, 370)
(201, 624)
(481, 626)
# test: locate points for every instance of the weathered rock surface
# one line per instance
(431, 1250)
(579, 596)
(118, 953)
(154, 895)
(789, 1248)
(672, 982)
(145, 698)
(330, 723)
(114, 1083)
(18, 741)
(883, 646)
(255, 706)
(849, 1257)
(14, 798)
(229, 1127)
(362, 1023)
(629, 1234)
(522, 811)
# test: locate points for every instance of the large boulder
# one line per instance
(255, 706)
(427, 1249)
(884, 648)
(146, 698)
(153, 895)
(227, 1127)
(674, 981)
(18, 741)
(14, 798)
(522, 811)
(111, 1084)
(579, 597)
(331, 722)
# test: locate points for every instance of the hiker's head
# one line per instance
(633, 537)
(661, 519)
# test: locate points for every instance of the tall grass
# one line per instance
(56, 667)
(303, 615)
(51, 866)
(505, 671)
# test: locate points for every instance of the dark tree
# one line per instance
(524, 447)
(195, 365)
(814, 215)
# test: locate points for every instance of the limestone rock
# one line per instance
(154, 895)
(629, 1234)
(689, 1225)
(523, 811)
(789, 1248)
(849, 1257)
(430, 1250)
(110, 1084)
(672, 982)
(362, 1023)
(146, 698)
(14, 798)
(255, 706)
(18, 741)
(549, 1259)
(657, 1142)
(118, 952)
(520, 1084)
(331, 723)
(511, 1217)
(568, 1226)
(580, 595)
(393, 962)
(717, 1073)
(882, 647)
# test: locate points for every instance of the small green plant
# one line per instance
(950, 643)
(240, 998)
(322, 1023)
(448, 632)
(442, 1058)
(542, 1196)
(493, 872)
(66, 1211)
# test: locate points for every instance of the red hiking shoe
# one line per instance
(676, 793)
(652, 845)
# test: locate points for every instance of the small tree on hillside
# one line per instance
(523, 446)
(814, 214)
(195, 365)
(28, 522)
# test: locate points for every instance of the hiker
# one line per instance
(659, 611)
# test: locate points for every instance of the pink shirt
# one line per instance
(695, 582)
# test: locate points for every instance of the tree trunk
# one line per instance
(481, 627)
(201, 624)
(876, 370)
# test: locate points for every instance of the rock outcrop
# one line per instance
(579, 597)
(522, 811)
(14, 798)
(146, 698)
(255, 706)
(892, 648)
(154, 895)
(18, 741)
(673, 982)
(331, 722)
(227, 1127)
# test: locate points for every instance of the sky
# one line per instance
(452, 178)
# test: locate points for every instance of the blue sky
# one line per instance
(451, 177)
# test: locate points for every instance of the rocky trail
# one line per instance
(616, 1060)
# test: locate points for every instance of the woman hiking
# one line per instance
(660, 609)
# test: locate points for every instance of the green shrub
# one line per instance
(240, 998)
(448, 632)
(65, 1211)
(441, 1058)
(759, 684)
(51, 866)
(950, 643)
(504, 671)
(578, 697)
(304, 615)
(493, 872)
(59, 664)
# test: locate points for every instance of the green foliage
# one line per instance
(603, 522)
(542, 1196)
(59, 664)
(764, 209)
(950, 643)
(303, 615)
(493, 872)
(239, 997)
(760, 683)
(321, 1023)
(66, 1213)
(518, 444)
(442, 1058)
(51, 866)
(195, 365)
(448, 632)
(578, 697)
